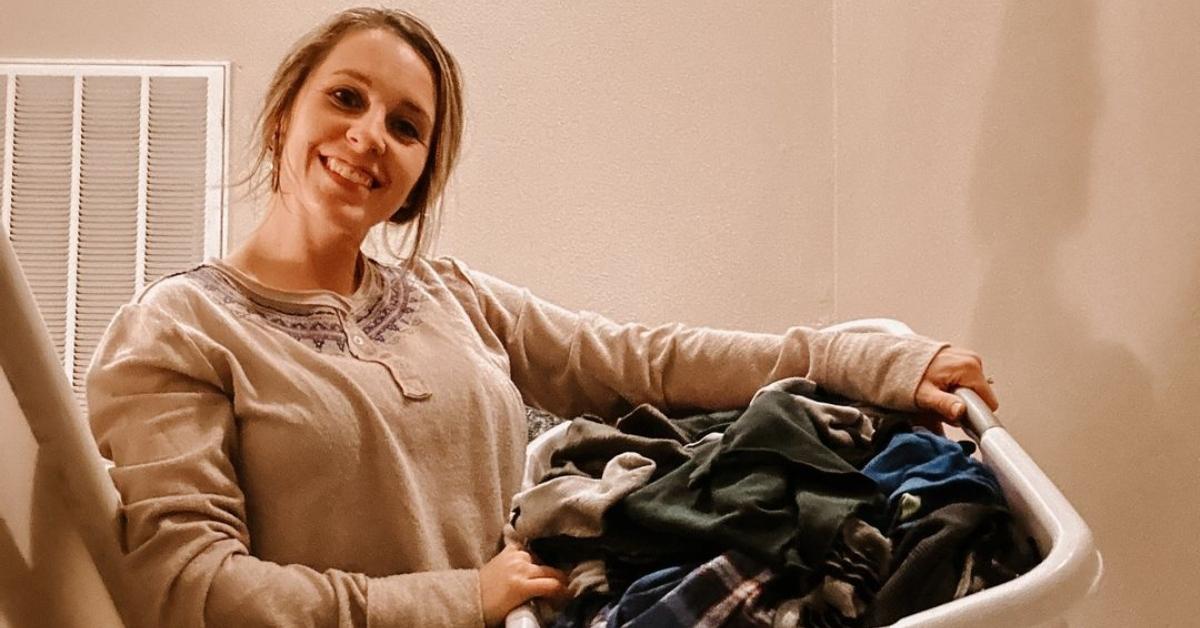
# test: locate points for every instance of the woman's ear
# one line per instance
(280, 134)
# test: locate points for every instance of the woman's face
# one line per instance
(359, 132)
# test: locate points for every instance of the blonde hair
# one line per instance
(424, 203)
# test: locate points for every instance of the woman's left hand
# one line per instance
(953, 368)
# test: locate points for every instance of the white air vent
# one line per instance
(113, 175)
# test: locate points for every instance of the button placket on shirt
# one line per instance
(365, 349)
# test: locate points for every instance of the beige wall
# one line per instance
(1014, 176)
(628, 142)
(1024, 178)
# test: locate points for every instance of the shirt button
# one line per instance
(358, 340)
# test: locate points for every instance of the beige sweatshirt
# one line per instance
(308, 459)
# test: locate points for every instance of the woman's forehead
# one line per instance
(383, 61)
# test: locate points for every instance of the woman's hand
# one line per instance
(511, 578)
(951, 368)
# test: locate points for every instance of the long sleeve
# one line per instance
(161, 406)
(569, 363)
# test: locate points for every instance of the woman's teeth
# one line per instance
(349, 172)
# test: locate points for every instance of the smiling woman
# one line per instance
(361, 126)
(305, 436)
(425, 107)
(352, 148)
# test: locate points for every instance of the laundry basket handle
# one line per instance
(979, 418)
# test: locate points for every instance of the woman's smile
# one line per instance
(348, 174)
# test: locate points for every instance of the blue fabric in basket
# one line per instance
(934, 468)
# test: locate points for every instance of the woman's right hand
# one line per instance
(511, 578)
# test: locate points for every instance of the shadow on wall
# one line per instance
(52, 587)
(1173, 572)
(1181, 393)
(1079, 395)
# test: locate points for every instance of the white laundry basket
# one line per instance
(1070, 568)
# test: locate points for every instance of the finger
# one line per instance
(949, 406)
(534, 571)
(971, 376)
(550, 572)
(543, 587)
(974, 379)
(983, 387)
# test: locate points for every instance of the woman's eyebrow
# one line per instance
(406, 103)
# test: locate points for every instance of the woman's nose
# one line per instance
(367, 134)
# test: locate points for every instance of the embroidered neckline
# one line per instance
(388, 310)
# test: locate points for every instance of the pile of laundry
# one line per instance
(803, 509)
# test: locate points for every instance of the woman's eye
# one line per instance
(404, 128)
(345, 97)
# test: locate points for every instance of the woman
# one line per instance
(306, 437)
